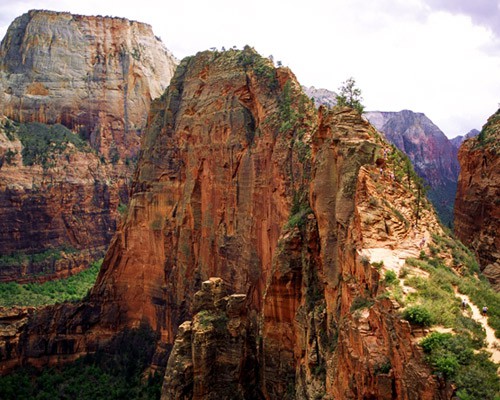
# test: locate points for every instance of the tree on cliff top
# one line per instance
(350, 96)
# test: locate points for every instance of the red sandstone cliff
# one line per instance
(96, 76)
(477, 205)
(240, 178)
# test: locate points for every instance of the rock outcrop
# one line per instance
(477, 206)
(94, 75)
(97, 77)
(429, 150)
(240, 178)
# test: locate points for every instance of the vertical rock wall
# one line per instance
(477, 206)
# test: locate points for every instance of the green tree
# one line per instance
(350, 95)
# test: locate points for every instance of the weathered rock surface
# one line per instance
(430, 151)
(241, 178)
(214, 356)
(477, 206)
(96, 76)
(71, 205)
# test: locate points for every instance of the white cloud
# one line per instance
(425, 55)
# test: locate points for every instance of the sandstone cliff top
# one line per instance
(37, 12)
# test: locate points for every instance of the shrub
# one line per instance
(117, 373)
(72, 288)
(390, 277)
(41, 142)
(453, 357)
(378, 265)
(418, 315)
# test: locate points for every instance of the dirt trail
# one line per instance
(493, 344)
(395, 259)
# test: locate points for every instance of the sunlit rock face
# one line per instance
(96, 76)
(243, 247)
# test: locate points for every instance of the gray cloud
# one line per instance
(481, 12)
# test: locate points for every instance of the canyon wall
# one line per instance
(477, 205)
(243, 249)
(96, 76)
(433, 155)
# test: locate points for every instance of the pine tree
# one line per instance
(350, 96)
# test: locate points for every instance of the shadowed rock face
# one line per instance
(96, 76)
(477, 206)
(240, 178)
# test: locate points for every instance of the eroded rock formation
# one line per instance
(240, 178)
(430, 151)
(477, 207)
(96, 76)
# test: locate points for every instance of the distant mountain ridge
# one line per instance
(322, 97)
(458, 140)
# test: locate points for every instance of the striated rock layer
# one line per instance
(96, 76)
(242, 248)
(477, 205)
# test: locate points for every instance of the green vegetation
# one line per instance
(115, 374)
(378, 264)
(390, 277)
(43, 143)
(489, 132)
(262, 67)
(9, 156)
(214, 319)
(418, 315)
(22, 258)
(122, 209)
(350, 96)
(479, 290)
(454, 358)
(10, 128)
(457, 356)
(73, 288)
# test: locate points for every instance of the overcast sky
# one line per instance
(439, 57)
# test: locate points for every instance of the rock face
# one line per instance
(429, 150)
(477, 207)
(212, 355)
(96, 76)
(56, 220)
(240, 178)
